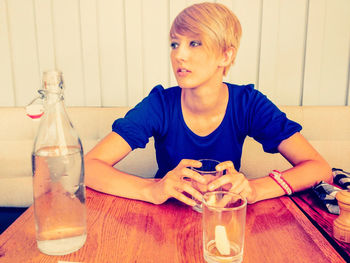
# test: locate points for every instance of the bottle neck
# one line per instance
(52, 96)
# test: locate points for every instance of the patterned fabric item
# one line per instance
(326, 192)
(341, 178)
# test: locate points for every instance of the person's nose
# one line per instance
(182, 53)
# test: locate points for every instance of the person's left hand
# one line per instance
(233, 181)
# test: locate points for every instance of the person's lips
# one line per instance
(182, 72)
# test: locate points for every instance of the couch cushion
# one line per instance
(326, 127)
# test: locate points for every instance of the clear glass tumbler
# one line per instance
(209, 172)
(224, 217)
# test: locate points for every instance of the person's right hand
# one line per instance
(174, 184)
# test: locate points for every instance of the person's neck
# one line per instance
(206, 99)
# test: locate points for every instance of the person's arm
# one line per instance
(102, 176)
(309, 168)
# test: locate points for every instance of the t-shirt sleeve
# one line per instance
(266, 123)
(143, 121)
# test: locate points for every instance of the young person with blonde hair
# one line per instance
(203, 117)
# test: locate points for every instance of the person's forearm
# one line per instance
(300, 177)
(104, 178)
(308, 174)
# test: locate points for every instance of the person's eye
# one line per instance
(195, 43)
(174, 45)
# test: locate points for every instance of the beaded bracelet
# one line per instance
(277, 177)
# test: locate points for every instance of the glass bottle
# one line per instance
(58, 175)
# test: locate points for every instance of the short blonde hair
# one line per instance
(216, 24)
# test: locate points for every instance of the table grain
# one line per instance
(311, 206)
(123, 230)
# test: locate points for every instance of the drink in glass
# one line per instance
(224, 217)
(208, 171)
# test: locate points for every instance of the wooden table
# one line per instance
(122, 230)
(321, 219)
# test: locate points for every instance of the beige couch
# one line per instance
(327, 128)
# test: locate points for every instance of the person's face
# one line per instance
(192, 64)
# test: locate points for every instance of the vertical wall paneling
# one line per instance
(282, 50)
(175, 7)
(112, 50)
(327, 53)
(314, 51)
(66, 17)
(44, 35)
(245, 68)
(134, 56)
(6, 83)
(336, 44)
(24, 50)
(348, 91)
(155, 44)
(90, 52)
(293, 21)
(269, 45)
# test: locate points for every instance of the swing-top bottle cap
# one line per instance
(52, 77)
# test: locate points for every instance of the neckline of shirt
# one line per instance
(215, 132)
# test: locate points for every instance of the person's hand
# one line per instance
(233, 181)
(175, 184)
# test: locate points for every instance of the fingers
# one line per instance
(236, 182)
(193, 192)
(232, 181)
(181, 197)
(228, 166)
(189, 163)
(231, 177)
(184, 172)
(246, 193)
(178, 193)
(193, 175)
(175, 183)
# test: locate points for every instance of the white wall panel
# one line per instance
(22, 33)
(6, 83)
(111, 28)
(44, 35)
(68, 49)
(336, 48)
(282, 50)
(90, 52)
(246, 67)
(134, 54)
(155, 44)
(291, 51)
(314, 51)
(269, 45)
(175, 7)
(327, 53)
(348, 91)
(112, 52)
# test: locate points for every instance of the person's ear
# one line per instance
(228, 57)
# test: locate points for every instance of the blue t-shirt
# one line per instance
(248, 113)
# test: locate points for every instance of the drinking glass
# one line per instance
(209, 172)
(224, 217)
